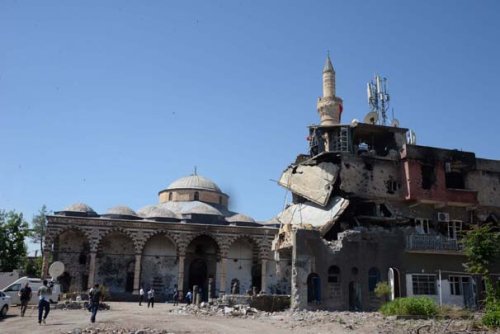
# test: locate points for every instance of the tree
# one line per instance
(481, 249)
(39, 227)
(13, 231)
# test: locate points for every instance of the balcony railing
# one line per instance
(437, 243)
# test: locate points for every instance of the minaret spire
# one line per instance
(329, 105)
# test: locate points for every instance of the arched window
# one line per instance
(169, 196)
(196, 196)
(220, 200)
(373, 278)
(334, 274)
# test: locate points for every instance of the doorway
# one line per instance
(198, 275)
(313, 288)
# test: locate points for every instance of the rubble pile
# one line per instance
(218, 309)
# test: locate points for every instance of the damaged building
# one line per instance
(370, 205)
(189, 238)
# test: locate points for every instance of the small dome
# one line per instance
(145, 211)
(200, 208)
(121, 211)
(240, 218)
(78, 209)
(194, 182)
(160, 212)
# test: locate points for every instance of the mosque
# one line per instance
(190, 237)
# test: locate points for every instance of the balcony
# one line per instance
(425, 243)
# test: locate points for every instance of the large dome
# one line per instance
(194, 182)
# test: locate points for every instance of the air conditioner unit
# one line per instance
(443, 217)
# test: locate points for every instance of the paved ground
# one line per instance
(165, 318)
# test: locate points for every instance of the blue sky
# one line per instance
(108, 102)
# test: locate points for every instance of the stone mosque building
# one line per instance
(190, 237)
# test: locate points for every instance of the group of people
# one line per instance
(44, 293)
(176, 297)
(151, 297)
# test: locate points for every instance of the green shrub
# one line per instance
(383, 290)
(410, 306)
(491, 316)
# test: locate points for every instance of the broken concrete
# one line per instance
(313, 182)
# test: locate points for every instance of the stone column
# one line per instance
(45, 264)
(222, 277)
(137, 274)
(263, 278)
(90, 283)
(180, 278)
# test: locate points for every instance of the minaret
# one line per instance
(329, 106)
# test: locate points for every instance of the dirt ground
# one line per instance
(165, 318)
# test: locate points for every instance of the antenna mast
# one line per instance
(378, 98)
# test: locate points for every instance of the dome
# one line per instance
(161, 212)
(194, 182)
(200, 208)
(79, 207)
(121, 211)
(240, 218)
(145, 211)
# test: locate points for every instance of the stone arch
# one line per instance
(244, 263)
(115, 254)
(103, 234)
(172, 238)
(160, 264)
(202, 252)
(71, 246)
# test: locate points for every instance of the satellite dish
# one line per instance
(411, 137)
(56, 269)
(395, 123)
(371, 118)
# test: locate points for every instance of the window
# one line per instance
(333, 274)
(373, 278)
(169, 196)
(196, 196)
(220, 200)
(457, 284)
(424, 284)
(454, 228)
(14, 287)
(428, 176)
(422, 225)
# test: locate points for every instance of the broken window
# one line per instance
(454, 180)
(373, 278)
(334, 274)
(422, 226)
(454, 229)
(423, 284)
(428, 176)
(457, 284)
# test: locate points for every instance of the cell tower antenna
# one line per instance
(378, 98)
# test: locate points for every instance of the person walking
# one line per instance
(151, 297)
(25, 296)
(43, 302)
(141, 296)
(95, 296)
(175, 297)
(189, 297)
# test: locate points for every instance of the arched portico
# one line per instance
(202, 255)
